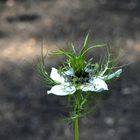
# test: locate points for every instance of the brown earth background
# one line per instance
(26, 111)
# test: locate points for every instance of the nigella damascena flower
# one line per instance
(67, 87)
(79, 77)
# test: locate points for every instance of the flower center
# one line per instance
(81, 78)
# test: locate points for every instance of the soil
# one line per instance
(26, 111)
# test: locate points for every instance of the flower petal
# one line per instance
(69, 72)
(62, 90)
(113, 75)
(96, 84)
(88, 70)
(87, 87)
(56, 76)
(99, 85)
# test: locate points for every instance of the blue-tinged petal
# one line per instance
(113, 75)
(118, 72)
(62, 90)
(69, 72)
(88, 70)
(87, 87)
(56, 76)
(99, 84)
(95, 84)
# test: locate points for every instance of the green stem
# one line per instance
(77, 112)
(76, 129)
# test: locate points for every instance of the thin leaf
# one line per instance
(73, 48)
(85, 44)
(88, 49)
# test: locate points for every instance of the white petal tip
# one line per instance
(48, 92)
(56, 76)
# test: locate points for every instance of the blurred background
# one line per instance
(26, 112)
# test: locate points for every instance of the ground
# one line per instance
(26, 111)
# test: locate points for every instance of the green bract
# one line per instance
(76, 60)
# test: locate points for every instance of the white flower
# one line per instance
(62, 89)
(95, 84)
